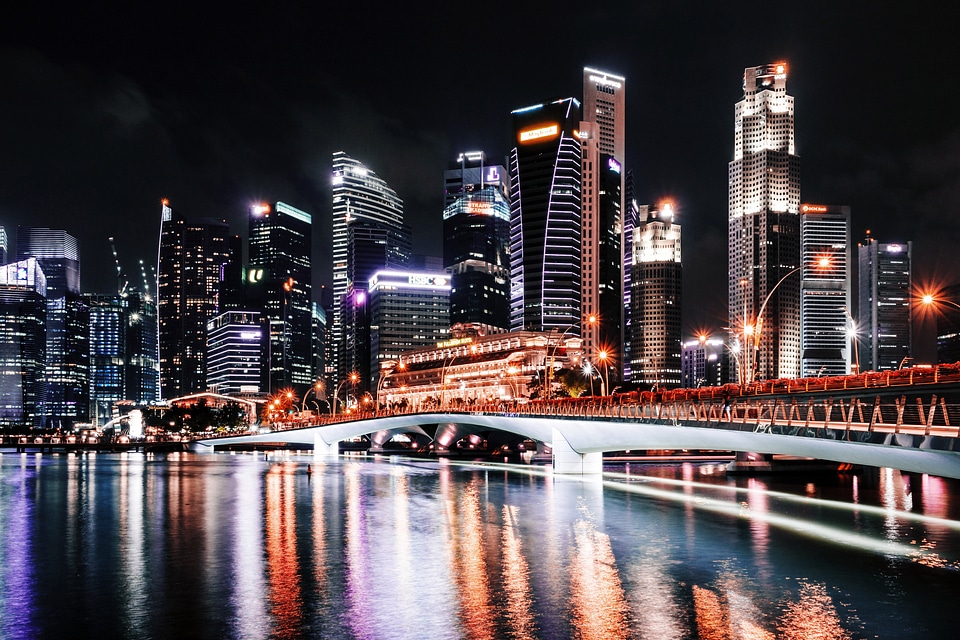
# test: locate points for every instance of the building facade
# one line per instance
(885, 285)
(23, 343)
(281, 244)
(67, 396)
(764, 225)
(827, 327)
(705, 363)
(476, 245)
(191, 257)
(657, 281)
(360, 196)
(234, 342)
(545, 259)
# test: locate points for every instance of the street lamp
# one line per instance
(603, 357)
(353, 378)
(852, 334)
(591, 319)
(388, 369)
(316, 388)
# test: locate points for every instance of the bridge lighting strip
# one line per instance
(790, 497)
(741, 510)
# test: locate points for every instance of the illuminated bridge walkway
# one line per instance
(896, 428)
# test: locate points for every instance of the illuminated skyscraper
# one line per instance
(603, 136)
(360, 195)
(826, 322)
(657, 281)
(885, 325)
(764, 223)
(281, 245)
(67, 398)
(476, 244)
(23, 318)
(545, 259)
(190, 260)
(234, 343)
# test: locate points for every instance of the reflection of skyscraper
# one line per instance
(23, 317)
(363, 199)
(281, 244)
(825, 316)
(190, 260)
(885, 283)
(476, 244)
(657, 281)
(545, 258)
(764, 225)
(67, 397)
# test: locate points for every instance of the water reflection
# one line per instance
(281, 541)
(516, 579)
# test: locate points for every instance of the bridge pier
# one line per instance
(323, 449)
(569, 462)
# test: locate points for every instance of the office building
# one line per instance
(280, 244)
(885, 328)
(191, 257)
(407, 310)
(631, 218)
(657, 281)
(545, 261)
(827, 326)
(234, 341)
(3, 245)
(764, 225)
(23, 343)
(360, 197)
(476, 245)
(67, 395)
(705, 363)
(948, 324)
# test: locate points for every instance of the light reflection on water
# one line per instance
(254, 546)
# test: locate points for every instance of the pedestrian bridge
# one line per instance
(911, 437)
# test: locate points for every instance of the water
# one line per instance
(286, 546)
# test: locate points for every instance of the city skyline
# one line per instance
(153, 123)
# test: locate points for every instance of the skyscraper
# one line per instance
(545, 259)
(23, 318)
(657, 281)
(361, 196)
(281, 244)
(234, 344)
(764, 224)
(67, 398)
(476, 244)
(190, 260)
(826, 322)
(885, 284)
(602, 136)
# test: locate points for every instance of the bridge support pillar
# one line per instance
(323, 449)
(569, 462)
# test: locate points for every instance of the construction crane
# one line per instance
(121, 277)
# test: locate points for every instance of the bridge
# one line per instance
(874, 423)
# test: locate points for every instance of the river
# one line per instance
(284, 545)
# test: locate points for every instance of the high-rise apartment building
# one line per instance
(67, 396)
(359, 196)
(602, 137)
(190, 261)
(23, 318)
(827, 327)
(657, 281)
(764, 225)
(476, 244)
(885, 326)
(281, 243)
(545, 260)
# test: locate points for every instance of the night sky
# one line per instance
(107, 110)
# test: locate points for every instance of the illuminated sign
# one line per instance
(453, 342)
(604, 80)
(538, 133)
(421, 279)
(813, 208)
(894, 248)
(493, 174)
(254, 275)
(480, 208)
(260, 209)
(613, 165)
(249, 335)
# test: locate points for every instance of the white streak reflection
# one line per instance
(598, 606)
(516, 579)
(248, 602)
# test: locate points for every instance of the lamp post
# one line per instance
(856, 339)
(353, 378)
(757, 329)
(386, 371)
(316, 388)
(591, 319)
(603, 357)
